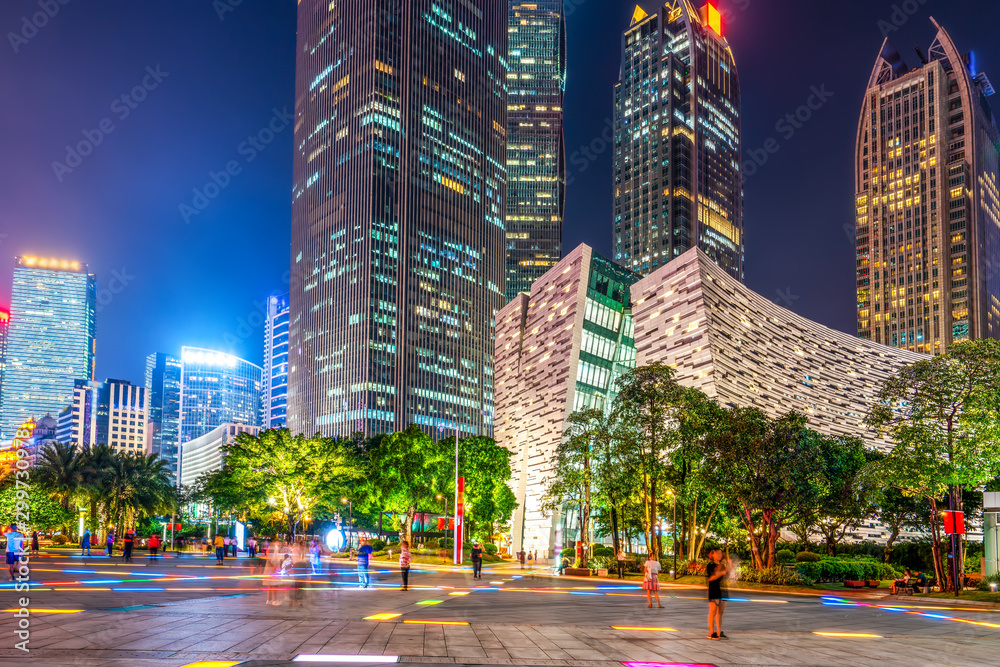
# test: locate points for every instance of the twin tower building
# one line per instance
(428, 206)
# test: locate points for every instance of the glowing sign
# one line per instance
(209, 358)
(713, 18)
(4, 316)
(51, 263)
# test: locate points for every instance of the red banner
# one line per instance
(459, 519)
(954, 522)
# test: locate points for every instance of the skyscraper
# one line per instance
(217, 388)
(51, 338)
(4, 328)
(163, 391)
(927, 169)
(398, 202)
(677, 141)
(536, 161)
(112, 413)
(275, 400)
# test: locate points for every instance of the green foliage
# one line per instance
(807, 557)
(984, 583)
(44, 513)
(489, 502)
(276, 472)
(60, 539)
(377, 544)
(786, 555)
(491, 548)
(774, 576)
(569, 554)
(916, 555)
(603, 562)
(838, 569)
(603, 550)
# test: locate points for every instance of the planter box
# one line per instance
(602, 572)
(873, 583)
(577, 571)
(854, 584)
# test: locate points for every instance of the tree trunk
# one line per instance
(615, 539)
(747, 517)
(936, 545)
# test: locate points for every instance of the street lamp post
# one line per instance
(350, 520)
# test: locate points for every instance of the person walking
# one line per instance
(364, 551)
(34, 543)
(716, 573)
(314, 557)
(520, 557)
(15, 548)
(651, 581)
(127, 541)
(85, 543)
(154, 546)
(225, 545)
(404, 563)
(477, 560)
(110, 542)
(220, 546)
(620, 557)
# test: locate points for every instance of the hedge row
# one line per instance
(835, 569)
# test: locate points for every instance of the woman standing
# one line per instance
(404, 563)
(651, 581)
(34, 543)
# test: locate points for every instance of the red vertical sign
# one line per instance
(459, 519)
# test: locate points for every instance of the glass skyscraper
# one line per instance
(51, 340)
(677, 167)
(217, 388)
(927, 170)
(4, 328)
(536, 159)
(399, 198)
(275, 363)
(163, 391)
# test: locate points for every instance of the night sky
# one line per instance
(165, 282)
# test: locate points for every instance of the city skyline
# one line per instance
(232, 323)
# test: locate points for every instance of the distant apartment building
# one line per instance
(275, 401)
(204, 453)
(927, 193)
(113, 413)
(50, 339)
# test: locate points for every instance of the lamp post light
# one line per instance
(350, 519)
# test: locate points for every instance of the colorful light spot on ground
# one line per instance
(430, 602)
(641, 629)
(666, 664)
(459, 593)
(385, 616)
(415, 622)
(849, 635)
(211, 663)
(346, 658)
(46, 611)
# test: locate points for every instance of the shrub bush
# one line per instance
(603, 550)
(786, 555)
(984, 583)
(839, 569)
(60, 539)
(603, 562)
(775, 576)
(569, 554)
(377, 545)
(807, 557)
(430, 544)
(491, 549)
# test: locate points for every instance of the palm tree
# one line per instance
(100, 460)
(61, 470)
(138, 484)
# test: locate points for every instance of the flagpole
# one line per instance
(456, 495)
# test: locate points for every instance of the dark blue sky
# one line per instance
(166, 282)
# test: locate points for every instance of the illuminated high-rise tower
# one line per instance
(51, 342)
(678, 183)
(928, 206)
(536, 164)
(163, 392)
(398, 205)
(275, 401)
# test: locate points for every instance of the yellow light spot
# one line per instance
(412, 622)
(212, 663)
(385, 616)
(855, 635)
(430, 602)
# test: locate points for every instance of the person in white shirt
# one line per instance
(651, 582)
(15, 547)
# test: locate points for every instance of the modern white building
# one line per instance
(204, 454)
(560, 348)
(113, 413)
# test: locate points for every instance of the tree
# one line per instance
(649, 399)
(572, 480)
(277, 472)
(847, 499)
(402, 472)
(772, 469)
(61, 471)
(488, 499)
(43, 512)
(943, 414)
(137, 485)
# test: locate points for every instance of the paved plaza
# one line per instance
(179, 611)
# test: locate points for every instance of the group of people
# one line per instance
(284, 563)
(532, 559)
(910, 583)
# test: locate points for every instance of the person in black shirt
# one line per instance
(477, 561)
(716, 573)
